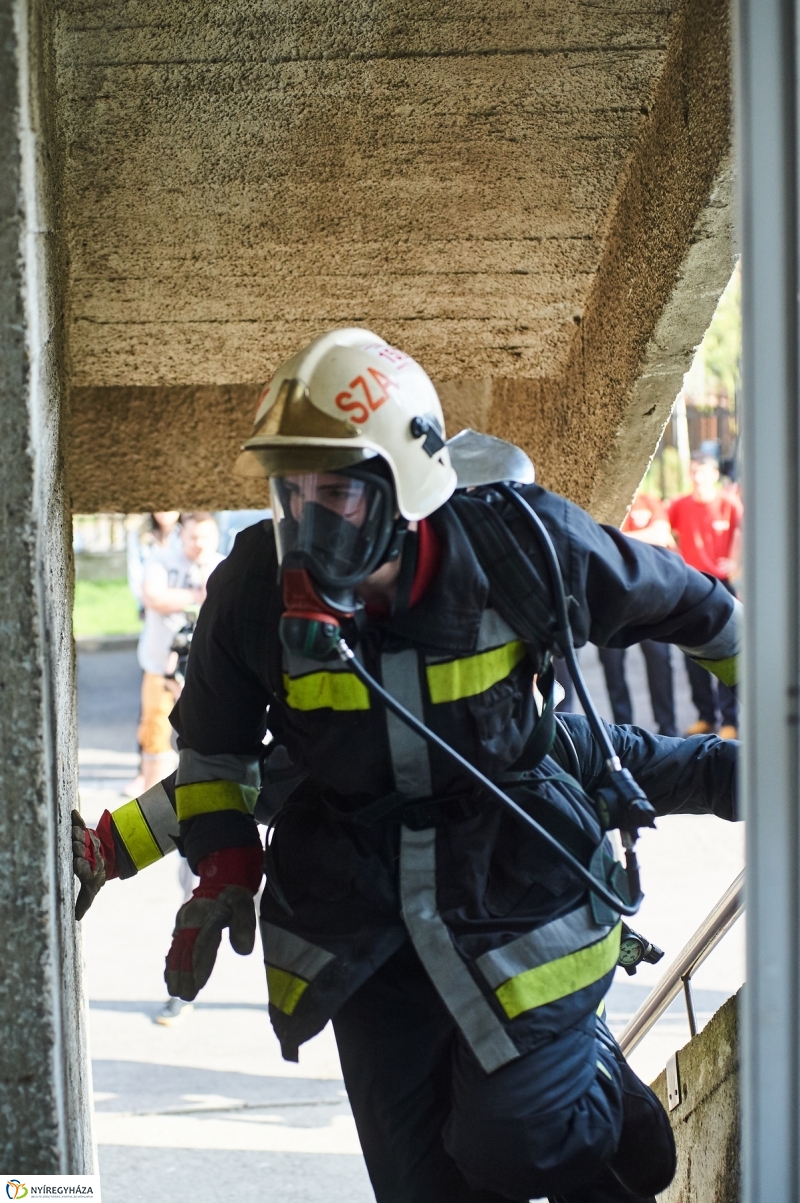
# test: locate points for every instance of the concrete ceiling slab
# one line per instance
(507, 192)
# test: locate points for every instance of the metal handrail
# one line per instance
(679, 974)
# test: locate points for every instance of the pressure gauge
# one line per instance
(634, 949)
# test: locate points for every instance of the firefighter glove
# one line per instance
(93, 859)
(229, 881)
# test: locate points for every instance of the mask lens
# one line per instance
(334, 525)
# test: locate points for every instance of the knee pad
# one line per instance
(527, 1156)
(645, 1160)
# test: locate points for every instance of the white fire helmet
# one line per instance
(343, 399)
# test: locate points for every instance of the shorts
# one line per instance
(155, 730)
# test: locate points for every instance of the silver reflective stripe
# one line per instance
(301, 666)
(285, 950)
(193, 768)
(409, 752)
(462, 996)
(160, 815)
(727, 643)
(494, 631)
(557, 939)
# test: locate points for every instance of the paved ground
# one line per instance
(207, 1110)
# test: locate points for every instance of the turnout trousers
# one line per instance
(435, 1128)
(659, 680)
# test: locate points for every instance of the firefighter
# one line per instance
(462, 963)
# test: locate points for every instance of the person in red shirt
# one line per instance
(707, 526)
(707, 522)
(647, 521)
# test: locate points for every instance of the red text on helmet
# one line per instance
(375, 391)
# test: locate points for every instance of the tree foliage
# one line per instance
(722, 343)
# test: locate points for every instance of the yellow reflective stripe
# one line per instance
(326, 691)
(285, 989)
(726, 671)
(137, 837)
(464, 678)
(206, 797)
(557, 979)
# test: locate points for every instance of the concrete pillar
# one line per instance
(768, 61)
(44, 1082)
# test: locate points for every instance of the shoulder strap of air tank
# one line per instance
(540, 742)
(519, 593)
(564, 752)
(523, 599)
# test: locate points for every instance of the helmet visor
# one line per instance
(334, 524)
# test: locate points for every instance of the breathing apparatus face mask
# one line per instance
(332, 531)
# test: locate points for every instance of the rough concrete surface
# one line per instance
(511, 193)
(588, 426)
(707, 263)
(706, 1121)
(436, 169)
(44, 1120)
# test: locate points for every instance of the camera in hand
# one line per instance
(179, 652)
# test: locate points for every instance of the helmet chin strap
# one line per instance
(394, 547)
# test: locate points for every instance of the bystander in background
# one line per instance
(707, 526)
(173, 586)
(146, 535)
(232, 522)
(648, 521)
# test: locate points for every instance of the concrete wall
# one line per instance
(706, 1121)
(531, 199)
(44, 1088)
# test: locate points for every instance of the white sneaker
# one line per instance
(173, 1012)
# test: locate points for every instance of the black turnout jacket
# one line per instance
(516, 947)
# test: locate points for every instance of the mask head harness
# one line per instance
(333, 529)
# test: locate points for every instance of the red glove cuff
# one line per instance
(230, 867)
(106, 838)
